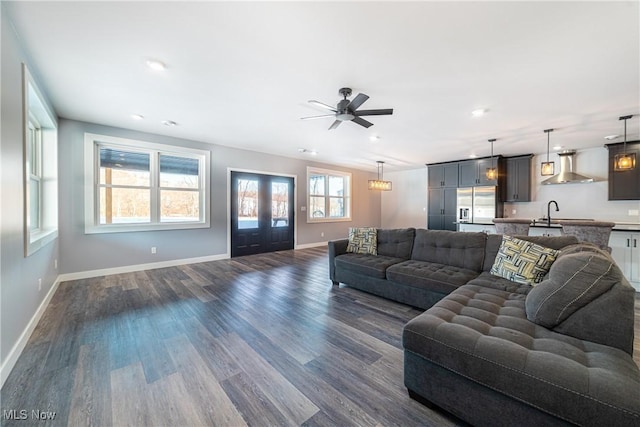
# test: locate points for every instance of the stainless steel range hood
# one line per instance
(567, 175)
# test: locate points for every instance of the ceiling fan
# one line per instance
(348, 110)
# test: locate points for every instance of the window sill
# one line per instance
(117, 228)
(321, 220)
(40, 239)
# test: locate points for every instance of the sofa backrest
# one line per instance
(396, 243)
(553, 242)
(585, 296)
(464, 250)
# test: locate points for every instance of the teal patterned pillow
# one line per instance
(363, 240)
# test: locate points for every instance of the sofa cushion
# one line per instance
(579, 281)
(488, 280)
(368, 265)
(396, 243)
(454, 248)
(429, 275)
(363, 240)
(522, 261)
(495, 240)
(483, 334)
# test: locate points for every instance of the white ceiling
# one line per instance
(240, 73)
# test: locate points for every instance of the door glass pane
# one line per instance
(247, 203)
(279, 204)
(317, 207)
(179, 206)
(124, 205)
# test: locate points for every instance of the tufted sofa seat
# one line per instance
(482, 334)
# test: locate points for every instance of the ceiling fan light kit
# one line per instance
(492, 172)
(380, 183)
(547, 168)
(347, 111)
(625, 161)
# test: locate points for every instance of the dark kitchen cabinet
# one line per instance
(624, 185)
(443, 175)
(517, 171)
(472, 173)
(442, 209)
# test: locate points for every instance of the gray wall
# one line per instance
(19, 295)
(84, 252)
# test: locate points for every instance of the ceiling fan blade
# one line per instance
(381, 112)
(362, 122)
(335, 124)
(322, 105)
(357, 101)
(317, 117)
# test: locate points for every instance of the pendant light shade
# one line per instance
(492, 172)
(380, 183)
(625, 161)
(547, 168)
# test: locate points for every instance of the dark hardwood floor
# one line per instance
(258, 340)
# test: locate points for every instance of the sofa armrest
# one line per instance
(336, 247)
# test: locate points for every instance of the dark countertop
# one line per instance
(630, 226)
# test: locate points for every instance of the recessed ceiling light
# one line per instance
(374, 138)
(156, 65)
(558, 147)
(137, 116)
(473, 156)
(611, 137)
(169, 123)
(479, 112)
(302, 150)
(313, 152)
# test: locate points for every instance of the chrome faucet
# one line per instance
(549, 211)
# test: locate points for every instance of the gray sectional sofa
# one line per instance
(496, 352)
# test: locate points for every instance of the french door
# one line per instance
(262, 213)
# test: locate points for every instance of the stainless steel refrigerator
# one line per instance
(478, 205)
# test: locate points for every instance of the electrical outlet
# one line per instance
(55, 264)
(633, 212)
(513, 211)
(322, 234)
(39, 285)
(153, 249)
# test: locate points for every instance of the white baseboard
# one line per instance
(138, 267)
(16, 351)
(311, 245)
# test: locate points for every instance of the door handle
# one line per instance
(628, 243)
(635, 243)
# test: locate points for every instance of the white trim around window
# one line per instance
(328, 195)
(155, 201)
(40, 168)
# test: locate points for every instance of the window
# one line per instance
(329, 195)
(40, 169)
(137, 186)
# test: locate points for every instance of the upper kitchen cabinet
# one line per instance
(624, 185)
(517, 172)
(443, 175)
(472, 173)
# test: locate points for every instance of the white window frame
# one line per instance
(92, 144)
(346, 197)
(38, 116)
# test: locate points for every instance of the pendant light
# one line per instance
(380, 183)
(625, 161)
(547, 168)
(492, 172)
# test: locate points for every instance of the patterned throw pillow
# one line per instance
(522, 261)
(363, 240)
